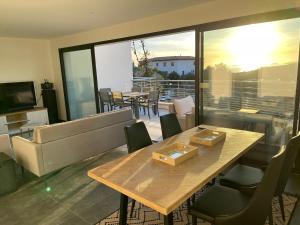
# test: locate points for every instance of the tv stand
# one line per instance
(10, 123)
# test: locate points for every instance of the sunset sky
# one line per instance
(246, 47)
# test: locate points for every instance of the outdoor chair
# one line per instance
(150, 102)
(119, 101)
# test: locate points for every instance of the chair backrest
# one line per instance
(136, 89)
(105, 95)
(169, 125)
(292, 150)
(137, 137)
(153, 96)
(260, 204)
(117, 97)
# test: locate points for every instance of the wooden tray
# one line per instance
(175, 154)
(208, 137)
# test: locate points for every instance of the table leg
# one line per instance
(123, 210)
(168, 220)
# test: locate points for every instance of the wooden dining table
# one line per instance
(134, 97)
(163, 187)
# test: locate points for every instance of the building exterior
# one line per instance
(182, 65)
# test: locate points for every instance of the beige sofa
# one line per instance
(5, 145)
(59, 145)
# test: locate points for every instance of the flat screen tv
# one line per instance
(16, 96)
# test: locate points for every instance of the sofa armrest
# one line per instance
(28, 155)
(5, 145)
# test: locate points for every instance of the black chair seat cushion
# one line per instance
(219, 201)
(260, 155)
(242, 176)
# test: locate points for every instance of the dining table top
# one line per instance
(163, 187)
(134, 94)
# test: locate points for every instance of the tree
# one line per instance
(142, 59)
(173, 76)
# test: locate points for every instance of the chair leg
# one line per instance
(188, 203)
(132, 207)
(148, 111)
(193, 198)
(281, 207)
(270, 216)
(194, 220)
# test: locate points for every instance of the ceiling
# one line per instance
(53, 18)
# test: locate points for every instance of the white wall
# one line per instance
(25, 60)
(114, 66)
(187, 66)
(198, 14)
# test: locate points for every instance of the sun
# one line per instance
(253, 46)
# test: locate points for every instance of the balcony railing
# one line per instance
(170, 89)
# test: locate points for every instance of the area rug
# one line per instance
(143, 215)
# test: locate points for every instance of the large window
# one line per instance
(250, 74)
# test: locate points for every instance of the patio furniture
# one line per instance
(221, 205)
(119, 101)
(244, 177)
(136, 89)
(169, 125)
(185, 111)
(105, 99)
(150, 101)
(134, 98)
(137, 137)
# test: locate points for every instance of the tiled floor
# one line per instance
(67, 197)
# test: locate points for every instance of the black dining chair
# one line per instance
(137, 137)
(169, 125)
(222, 205)
(259, 156)
(246, 178)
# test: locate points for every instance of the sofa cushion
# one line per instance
(57, 131)
(184, 105)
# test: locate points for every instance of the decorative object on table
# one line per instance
(175, 154)
(49, 101)
(47, 85)
(208, 137)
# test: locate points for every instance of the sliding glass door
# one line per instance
(249, 78)
(79, 86)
